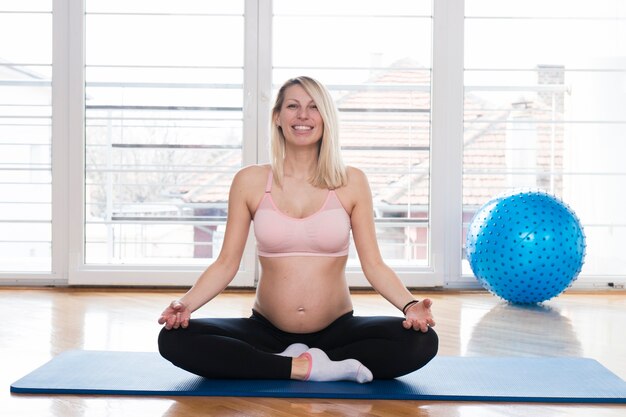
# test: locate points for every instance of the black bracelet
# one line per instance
(407, 305)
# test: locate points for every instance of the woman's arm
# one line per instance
(382, 278)
(222, 271)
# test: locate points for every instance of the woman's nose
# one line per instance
(303, 113)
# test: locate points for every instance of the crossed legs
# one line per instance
(252, 348)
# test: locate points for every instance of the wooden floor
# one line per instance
(40, 323)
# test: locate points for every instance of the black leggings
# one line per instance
(244, 348)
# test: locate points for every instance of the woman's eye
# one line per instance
(291, 106)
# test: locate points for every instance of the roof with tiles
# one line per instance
(385, 130)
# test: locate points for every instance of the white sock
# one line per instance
(294, 350)
(321, 368)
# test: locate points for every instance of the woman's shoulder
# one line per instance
(250, 180)
(356, 177)
(254, 169)
(356, 189)
(253, 173)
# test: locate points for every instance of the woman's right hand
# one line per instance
(175, 315)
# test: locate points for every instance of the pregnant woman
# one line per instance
(303, 207)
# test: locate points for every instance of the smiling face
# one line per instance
(299, 118)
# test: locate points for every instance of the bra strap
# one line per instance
(270, 178)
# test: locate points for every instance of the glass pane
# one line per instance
(379, 74)
(25, 136)
(164, 122)
(34, 31)
(547, 112)
(193, 7)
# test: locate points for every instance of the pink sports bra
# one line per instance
(323, 233)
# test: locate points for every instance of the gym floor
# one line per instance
(40, 323)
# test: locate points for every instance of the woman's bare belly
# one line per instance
(301, 294)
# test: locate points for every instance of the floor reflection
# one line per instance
(524, 330)
(297, 407)
(87, 406)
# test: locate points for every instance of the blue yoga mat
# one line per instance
(564, 379)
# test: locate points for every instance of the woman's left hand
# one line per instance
(419, 316)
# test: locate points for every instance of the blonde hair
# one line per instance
(331, 171)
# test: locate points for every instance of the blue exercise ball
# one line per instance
(525, 247)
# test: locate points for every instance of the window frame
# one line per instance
(68, 141)
(59, 162)
(258, 96)
(80, 273)
(584, 281)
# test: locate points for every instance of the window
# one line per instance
(123, 122)
(544, 108)
(375, 58)
(25, 137)
(164, 128)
